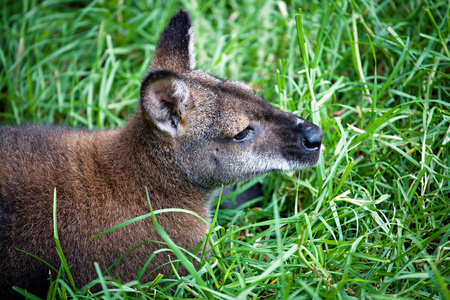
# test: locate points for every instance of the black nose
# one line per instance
(312, 137)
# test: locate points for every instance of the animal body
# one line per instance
(191, 133)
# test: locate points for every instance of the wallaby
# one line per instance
(191, 134)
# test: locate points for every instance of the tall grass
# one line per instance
(371, 221)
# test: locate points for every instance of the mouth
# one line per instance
(304, 156)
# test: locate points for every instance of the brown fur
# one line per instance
(180, 143)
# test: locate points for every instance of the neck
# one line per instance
(142, 156)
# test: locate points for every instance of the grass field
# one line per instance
(371, 221)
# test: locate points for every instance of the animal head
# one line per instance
(220, 131)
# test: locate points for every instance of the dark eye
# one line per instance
(243, 134)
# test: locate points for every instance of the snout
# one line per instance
(301, 146)
(312, 136)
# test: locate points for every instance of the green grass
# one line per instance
(371, 221)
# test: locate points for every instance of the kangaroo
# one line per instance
(191, 134)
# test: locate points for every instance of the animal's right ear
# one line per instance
(165, 97)
(175, 49)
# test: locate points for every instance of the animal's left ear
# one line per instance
(175, 49)
(165, 98)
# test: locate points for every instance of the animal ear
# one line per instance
(165, 98)
(175, 49)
